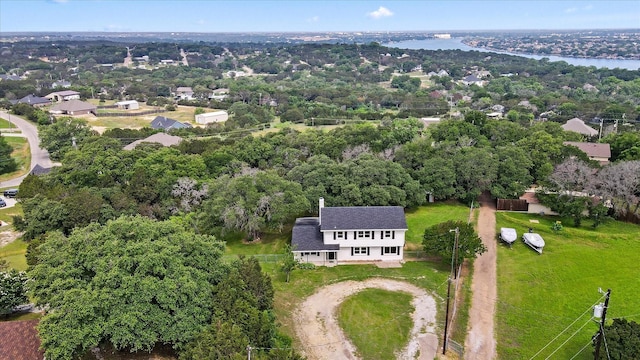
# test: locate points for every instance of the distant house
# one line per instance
(73, 107)
(578, 126)
(426, 121)
(64, 95)
(164, 123)
(128, 105)
(159, 138)
(472, 80)
(32, 100)
(597, 152)
(219, 94)
(533, 203)
(39, 170)
(212, 117)
(60, 84)
(19, 340)
(350, 234)
(184, 93)
(10, 77)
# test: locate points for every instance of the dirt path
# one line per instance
(322, 337)
(481, 342)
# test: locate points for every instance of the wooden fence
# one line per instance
(139, 113)
(512, 205)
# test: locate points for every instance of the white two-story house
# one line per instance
(350, 234)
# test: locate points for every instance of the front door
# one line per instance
(331, 255)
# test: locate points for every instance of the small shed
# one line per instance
(128, 105)
(212, 117)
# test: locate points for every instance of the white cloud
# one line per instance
(588, 7)
(60, 1)
(201, 22)
(313, 19)
(570, 10)
(380, 13)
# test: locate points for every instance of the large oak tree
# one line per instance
(132, 283)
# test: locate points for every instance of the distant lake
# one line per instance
(456, 44)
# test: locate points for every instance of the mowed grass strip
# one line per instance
(539, 296)
(378, 322)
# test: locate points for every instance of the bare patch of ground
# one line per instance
(322, 338)
(481, 343)
(8, 236)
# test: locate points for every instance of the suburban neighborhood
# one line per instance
(302, 195)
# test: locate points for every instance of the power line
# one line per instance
(570, 337)
(579, 351)
(567, 328)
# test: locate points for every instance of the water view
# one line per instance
(457, 44)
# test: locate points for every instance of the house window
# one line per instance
(310, 253)
(340, 235)
(364, 234)
(360, 251)
(388, 234)
(387, 250)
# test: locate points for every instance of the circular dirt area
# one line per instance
(322, 338)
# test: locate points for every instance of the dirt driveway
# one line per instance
(481, 342)
(322, 338)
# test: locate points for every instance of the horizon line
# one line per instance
(295, 31)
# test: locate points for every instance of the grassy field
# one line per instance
(420, 218)
(13, 253)
(5, 124)
(362, 315)
(539, 296)
(182, 114)
(21, 154)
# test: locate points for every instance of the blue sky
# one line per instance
(294, 15)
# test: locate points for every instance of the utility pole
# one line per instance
(455, 252)
(248, 352)
(454, 272)
(600, 134)
(446, 319)
(596, 354)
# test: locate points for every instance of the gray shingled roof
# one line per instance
(32, 100)
(363, 217)
(306, 236)
(161, 122)
(40, 170)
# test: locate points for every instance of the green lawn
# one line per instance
(541, 295)
(420, 218)
(14, 254)
(21, 154)
(5, 124)
(377, 322)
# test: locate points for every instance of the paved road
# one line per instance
(38, 155)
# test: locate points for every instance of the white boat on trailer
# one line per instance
(508, 235)
(535, 241)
